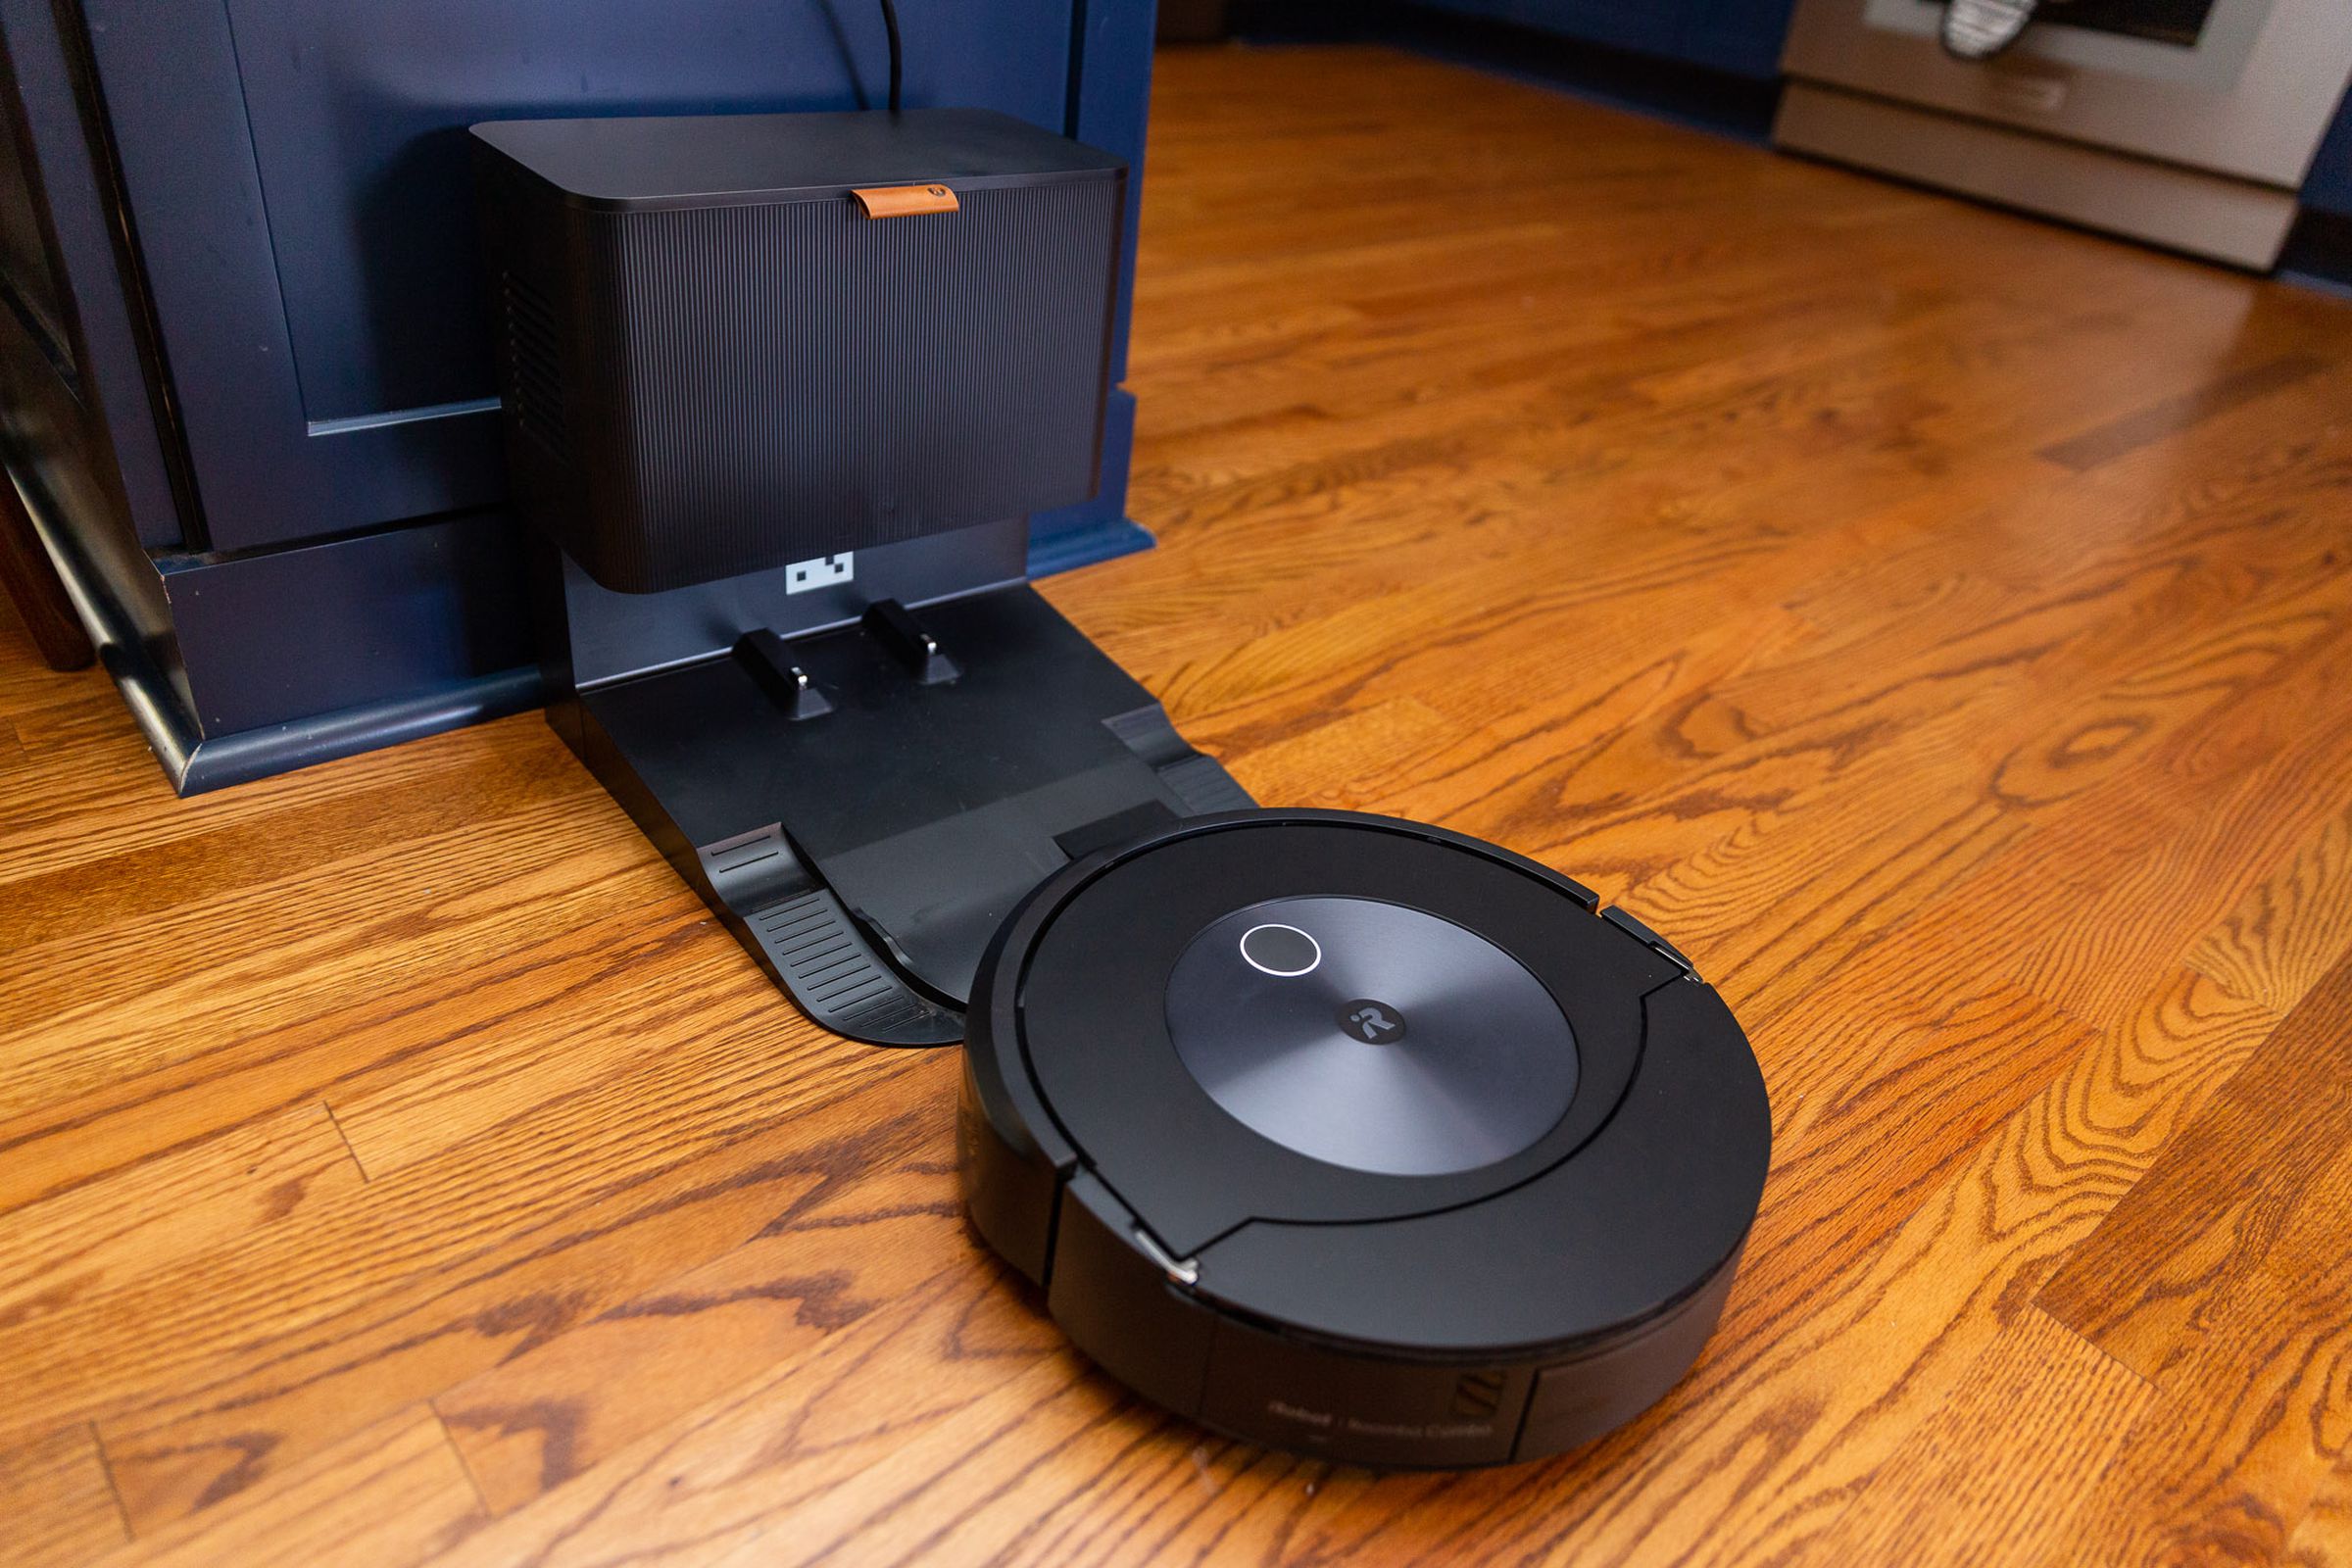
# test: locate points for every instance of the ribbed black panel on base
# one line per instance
(797, 928)
(837, 978)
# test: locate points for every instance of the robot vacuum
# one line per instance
(1360, 1139)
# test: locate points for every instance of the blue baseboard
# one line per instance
(2319, 252)
(1083, 546)
(156, 692)
(220, 760)
(1703, 94)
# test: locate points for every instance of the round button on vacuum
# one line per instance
(1282, 951)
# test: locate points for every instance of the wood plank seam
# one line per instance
(357, 1163)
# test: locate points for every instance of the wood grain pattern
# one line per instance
(2000, 1474)
(56, 1503)
(2208, 1218)
(71, 1254)
(2153, 424)
(876, 1172)
(388, 1495)
(2324, 1540)
(1938, 622)
(2265, 1379)
(2284, 933)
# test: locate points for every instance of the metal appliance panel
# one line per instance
(2250, 101)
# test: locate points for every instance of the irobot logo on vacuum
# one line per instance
(1375, 1023)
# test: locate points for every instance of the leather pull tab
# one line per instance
(905, 200)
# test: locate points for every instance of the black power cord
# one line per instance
(890, 24)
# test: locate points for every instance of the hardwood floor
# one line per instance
(1938, 623)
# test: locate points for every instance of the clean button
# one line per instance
(1282, 951)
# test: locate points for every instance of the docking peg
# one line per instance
(899, 632)
(774, 666)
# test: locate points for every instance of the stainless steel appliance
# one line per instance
(2188, 122)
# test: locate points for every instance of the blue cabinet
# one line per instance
(297, 177)
(1741, 37)
(2329, 186)
(243, 363)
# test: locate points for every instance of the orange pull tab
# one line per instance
(905, 200)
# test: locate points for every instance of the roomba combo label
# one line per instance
(1361, 1139)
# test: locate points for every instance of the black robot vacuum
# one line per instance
(1360, 1139)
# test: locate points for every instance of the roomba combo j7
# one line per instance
(1336, 1133)
(1360, 1138)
